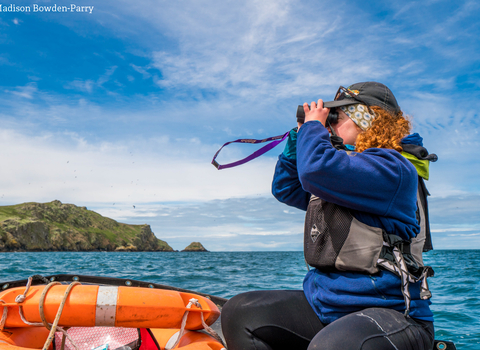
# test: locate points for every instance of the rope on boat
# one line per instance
(22, 316)
(54, 326)
(20, 298)
(4, 316)
(41, 304)
(207, 328)
(51, 327)
(63, 341)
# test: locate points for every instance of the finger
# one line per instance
(306, 108)
(314, 105)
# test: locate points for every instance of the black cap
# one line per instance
(370, 93)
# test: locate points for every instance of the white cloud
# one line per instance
(464, 234)
(259, 50)
(141, 70)
(89, 85)
(219, 224)
(28, 91)
(453, 229)
(85, 86)
(67, 167)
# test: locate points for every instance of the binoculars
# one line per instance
(331, 119)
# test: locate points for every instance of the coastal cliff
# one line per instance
(56, 226)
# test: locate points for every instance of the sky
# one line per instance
(120, 105)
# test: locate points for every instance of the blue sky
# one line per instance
(125, 106)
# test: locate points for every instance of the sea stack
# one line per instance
(195, 247)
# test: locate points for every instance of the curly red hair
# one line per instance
(387, 131)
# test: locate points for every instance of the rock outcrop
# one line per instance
(56, 226)
(195, 247)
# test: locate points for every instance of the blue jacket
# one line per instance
(379, 187)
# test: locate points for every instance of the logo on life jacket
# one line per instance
(314, 233)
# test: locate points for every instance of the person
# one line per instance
(364, 220)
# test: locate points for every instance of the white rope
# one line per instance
(21, 298)
(4, 316)
(54, 326)
(184, 322)
(207, 327)
(22, 316)
(209, 330)
(39, 324)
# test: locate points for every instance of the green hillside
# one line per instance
(56, 226)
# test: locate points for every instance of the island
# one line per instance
(195, 247)
(55, 226)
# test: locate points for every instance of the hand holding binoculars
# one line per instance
(331, 119)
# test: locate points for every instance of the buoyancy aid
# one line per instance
(334, 240)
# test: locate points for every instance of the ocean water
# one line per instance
(455, 287)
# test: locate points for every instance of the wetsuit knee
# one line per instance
(373, 329)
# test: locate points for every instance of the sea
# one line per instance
(455, 287)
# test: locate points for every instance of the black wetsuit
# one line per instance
(283, 319)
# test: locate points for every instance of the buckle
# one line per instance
(425, 295)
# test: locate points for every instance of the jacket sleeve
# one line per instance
(375, 181)
(286, 186)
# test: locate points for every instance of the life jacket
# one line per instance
(334, 240)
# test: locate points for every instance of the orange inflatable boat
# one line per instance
(85, 313)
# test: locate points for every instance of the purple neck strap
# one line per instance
(276, 140)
